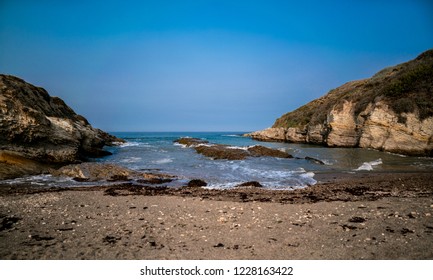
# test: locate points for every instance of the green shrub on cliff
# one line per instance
(406, 88)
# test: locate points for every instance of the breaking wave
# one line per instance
(369, 166)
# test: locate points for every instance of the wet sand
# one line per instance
(344, 216)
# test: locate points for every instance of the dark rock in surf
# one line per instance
(219, 151)
(318, 161)
(260, 151)
(222, 152)
(251, 184)
(196, 183)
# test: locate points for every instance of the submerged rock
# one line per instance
(43, 129)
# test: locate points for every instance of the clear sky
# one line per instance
(203, 65)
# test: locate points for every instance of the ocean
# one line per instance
(156, 152)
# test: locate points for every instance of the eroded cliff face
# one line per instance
(392, 111)
(380, 130)
(38, 128)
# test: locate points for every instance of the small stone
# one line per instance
(219, 245)
(357, 220)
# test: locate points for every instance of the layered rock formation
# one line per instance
(391, 111)
(37, 130)
(219, 151)
(92, 172)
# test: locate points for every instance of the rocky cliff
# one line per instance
(37, 130)
(391, 111)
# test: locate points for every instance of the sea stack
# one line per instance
(37, 131)
(391, 111)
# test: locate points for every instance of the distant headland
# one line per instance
(391, 111)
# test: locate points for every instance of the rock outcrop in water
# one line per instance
(219, 151)
(391, 111)
(37, 130)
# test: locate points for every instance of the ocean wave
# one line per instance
(134, 144)
(289, 183)
(42, 180)
(327, 161)
(239, 147)
(131, 160)
(369, 166)
(274, 178)
(162, 161)
(180, 145)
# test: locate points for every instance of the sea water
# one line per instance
(157, 152)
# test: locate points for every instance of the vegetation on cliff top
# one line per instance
(406, 88)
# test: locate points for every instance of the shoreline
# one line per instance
(343, 216)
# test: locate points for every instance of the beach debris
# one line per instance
(111, 239)
(8, 223)
(405, 231)
(155, 181)
(348, 227)
(219, 245)
(357, 220)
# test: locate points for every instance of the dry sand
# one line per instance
(385, 216)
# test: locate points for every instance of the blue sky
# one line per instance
(203, 65)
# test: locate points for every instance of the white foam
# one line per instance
(327, 162)
(133, 144)
(180, 145)
(162, 161)
(202, 144)
(369, 166)
(238, 148)
(131, 159)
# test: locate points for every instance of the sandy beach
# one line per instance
(344, 216)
